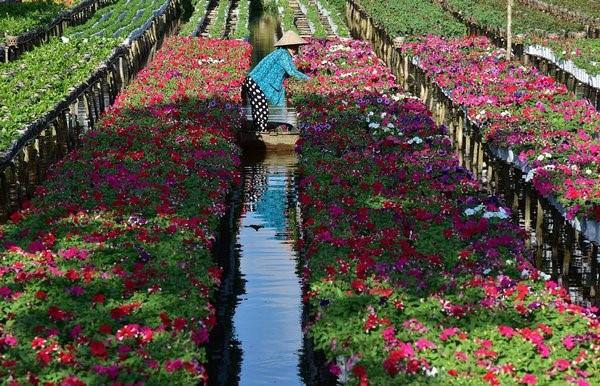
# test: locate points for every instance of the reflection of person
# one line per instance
(265, 82)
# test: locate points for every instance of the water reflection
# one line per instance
(260, 319)
(267, 319)
(265, 30)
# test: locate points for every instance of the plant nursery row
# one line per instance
(411, 272)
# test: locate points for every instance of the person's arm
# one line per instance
(288, 65)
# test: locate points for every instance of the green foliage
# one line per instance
(18, 18)
(199, 12)
(33, 85)
(525, 20)
(412, 18)
(585, 53)
(589, 8)
(117, 20)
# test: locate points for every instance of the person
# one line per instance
(265, 82)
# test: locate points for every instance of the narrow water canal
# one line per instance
(258, 339)
(267, 320)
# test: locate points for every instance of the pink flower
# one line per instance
(529, 379)
(449, 332)
(508, 332)
(423, 344)
(172, 366)
(568, 342)
(562, 364)
(461, 356)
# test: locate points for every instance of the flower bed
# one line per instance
(583, 53)
(107, 275)
(553, 136)
(45, 77)
(19, 18)
(525, 19)
(412, 18)
(413, 275)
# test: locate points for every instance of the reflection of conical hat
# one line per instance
(290, 38)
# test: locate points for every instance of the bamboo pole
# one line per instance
(509, 30)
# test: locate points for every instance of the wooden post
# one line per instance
(539, 234)
(527, 216)
(509, 30)
(556, 243)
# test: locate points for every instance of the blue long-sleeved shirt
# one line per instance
(270, 73)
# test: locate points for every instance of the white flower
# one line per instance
(486, 271)
(588, 171)
(415, 140)
(431, 372)
(64, 39)
(501, 213)
(545, 276)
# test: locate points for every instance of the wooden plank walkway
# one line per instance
(278, 115)
(278, 139)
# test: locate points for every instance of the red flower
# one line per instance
(98, 299)
(72, 381)
(97, 348)
(37, 343)
(66, 357)
(117, 313)
(490, 377)
(72, 275)
(16, 217)
(179, 324)
(165, 319)
(358, 286)
(57, 314)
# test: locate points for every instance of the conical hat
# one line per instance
(290, 38)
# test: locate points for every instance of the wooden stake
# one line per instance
(508, 30)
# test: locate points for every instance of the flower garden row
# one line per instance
(330, 9)
(107, 276)
(554, 137)
(402, 18)
(589, 8)
(19, 18)
(413, 274)
(46, 76)
(534, 27)
(22, 17)
(525, 19)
